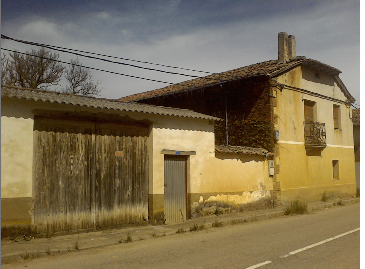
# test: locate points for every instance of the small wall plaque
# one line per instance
(119, 153)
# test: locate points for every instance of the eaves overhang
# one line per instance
(317, 65)
(98, 103)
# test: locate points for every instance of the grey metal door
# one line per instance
(175, 188)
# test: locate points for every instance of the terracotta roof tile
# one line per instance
(267, 69)
(260, 69)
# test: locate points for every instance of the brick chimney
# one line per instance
(286, 47)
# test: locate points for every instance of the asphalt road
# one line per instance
(327, 239)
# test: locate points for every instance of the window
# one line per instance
(336, 117)
(336, 169)
(310, 111)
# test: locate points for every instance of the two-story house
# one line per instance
(295, 107)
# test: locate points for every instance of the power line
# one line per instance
(92, 68)
(105, 60)
(76, 52)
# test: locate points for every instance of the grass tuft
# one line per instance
(324, 197)
(76, 245)
(26, 256)
(218, 211)
(296, 207)
(197, 228)
(180, 231)
(217, 224)
(194, 228)
(129, 239)
(236, 221)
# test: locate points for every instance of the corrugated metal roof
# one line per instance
(356, 116)
(268, 69)
(76, 100)
(242, 150)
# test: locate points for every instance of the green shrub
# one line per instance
(296, 207)
(324, 197)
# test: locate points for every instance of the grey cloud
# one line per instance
(210, 35)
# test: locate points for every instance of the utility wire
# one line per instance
(92, 68)
(73, 51)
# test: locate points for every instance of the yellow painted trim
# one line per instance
(340, 146)
(302, 143)
(290, 142)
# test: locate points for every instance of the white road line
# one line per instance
(259, 265)
(319, 243)
(305, 248)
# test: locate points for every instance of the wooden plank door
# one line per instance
(121, 174)
(62, 175)
(175, 188)
(89, 174)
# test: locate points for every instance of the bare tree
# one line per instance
(80, 80)
(34, 69)
(4, 75)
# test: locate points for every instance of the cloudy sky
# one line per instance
(212, 36)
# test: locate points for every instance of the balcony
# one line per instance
(315, 135)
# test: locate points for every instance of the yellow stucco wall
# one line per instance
(16, 154)
(246, 176)
(16, 163)
(237, 174)
(181, 135)
(301, 175)
(207, 174)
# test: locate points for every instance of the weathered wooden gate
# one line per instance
(88, 174)
(175, 188)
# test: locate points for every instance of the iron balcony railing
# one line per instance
(315, 134)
